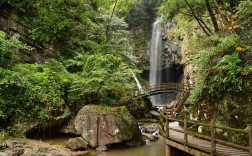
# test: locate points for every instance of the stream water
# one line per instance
(156, 148)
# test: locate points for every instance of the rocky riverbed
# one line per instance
(29, 147)
(61, 147)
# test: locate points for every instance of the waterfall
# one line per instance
(155, 60)
(139, 86)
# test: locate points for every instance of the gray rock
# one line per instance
(44, 150)
(100, 125)
(77, 144)
(69, 127)
(4, 154)
(137, 140)
(15, 152)
(150, 129)
(31, 125)
(14, 143)
(150, 137)
(40, 151)
(3, 145)
(102, 148)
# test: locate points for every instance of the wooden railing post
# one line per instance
(185, 132)
(167, 125)
(250, 139)
(213, 143)
(161, 120)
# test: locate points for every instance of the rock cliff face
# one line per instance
(171, 46)
(175, 52)
(32, 125)
(10, 22)
(175, 55)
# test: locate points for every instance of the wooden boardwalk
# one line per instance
(200, 144)
(199, 147)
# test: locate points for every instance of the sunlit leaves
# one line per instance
(227, 75)
(9, 50)
(103, 77)
(37, 88)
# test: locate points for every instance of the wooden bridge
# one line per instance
(200, 144)
(162, 88)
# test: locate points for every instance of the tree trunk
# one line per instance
(213, 18)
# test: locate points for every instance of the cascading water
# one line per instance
(155, 60)
(139, 86)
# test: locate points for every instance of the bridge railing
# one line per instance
(165, 128)
(165, 86)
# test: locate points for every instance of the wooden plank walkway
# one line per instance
(199, 147)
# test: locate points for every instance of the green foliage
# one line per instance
(9, 49)
(68, 26)
(123, 6)
(37, 88)
(244, 9)
(226, 77)
(221, 61)
(140, 18)
(219, 68)
(170, 8)
(196, 95)
(105, 78)
(3, 134)
(72, 27)
(90, 65)
(184, 25)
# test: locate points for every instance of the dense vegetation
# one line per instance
(84, 58)
(217, 34)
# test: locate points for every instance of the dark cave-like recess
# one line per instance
(172, 74)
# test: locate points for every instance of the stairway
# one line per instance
(175, 109)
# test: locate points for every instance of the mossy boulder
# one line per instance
(102, 125)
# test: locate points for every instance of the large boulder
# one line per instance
(100, 125)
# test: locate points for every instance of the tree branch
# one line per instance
(219, 11)
(206, 27)
(197, 19)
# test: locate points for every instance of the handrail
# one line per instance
(149, 90)
(207, 125)
(165, 130)
(164, 86)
